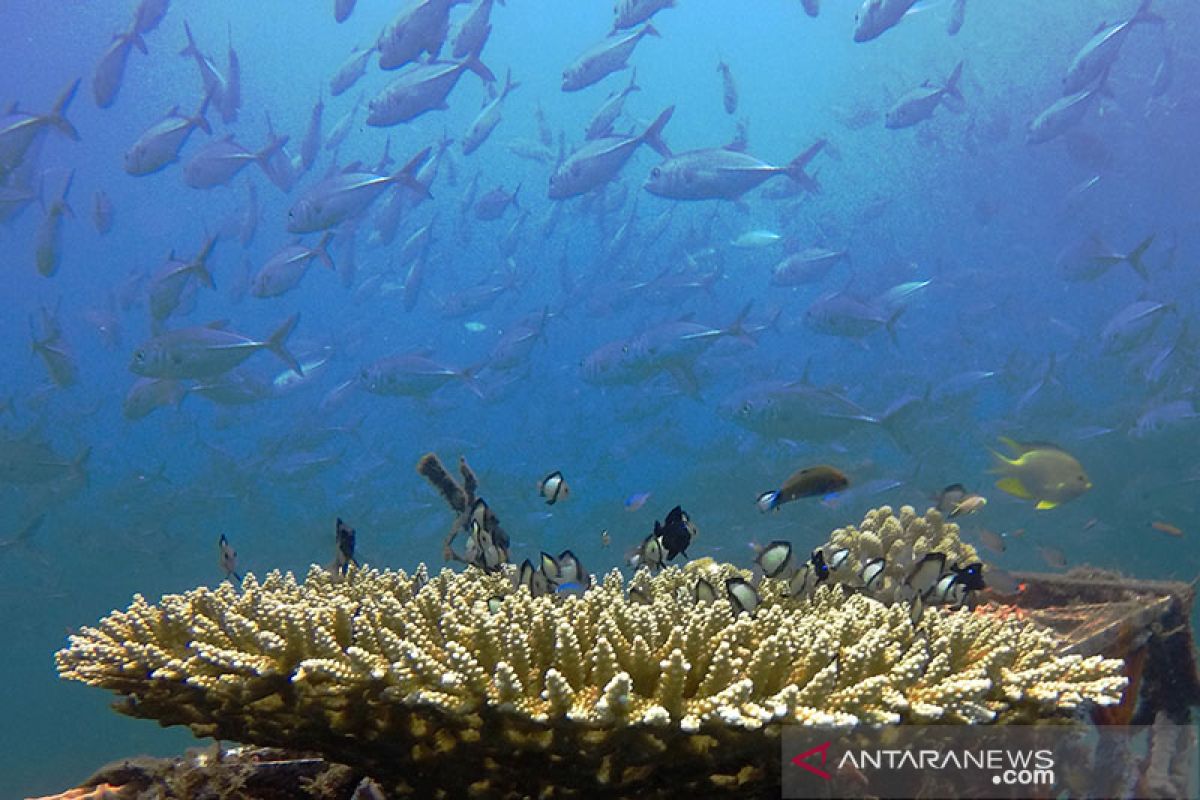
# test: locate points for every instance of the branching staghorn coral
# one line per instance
(901, 540)
(406, 677)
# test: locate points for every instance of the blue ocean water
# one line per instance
(1016, 333)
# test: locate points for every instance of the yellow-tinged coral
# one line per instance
(901, 540)
(396, 673)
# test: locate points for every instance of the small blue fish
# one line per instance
(570, 588)
(636, 500)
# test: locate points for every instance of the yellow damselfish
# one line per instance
(1042, 472)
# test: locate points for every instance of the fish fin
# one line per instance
(1014, 487)
(135, 38)
(276, 344)
(408, 173)
(273, 146)
(1013, 445)
(321, 250)
(1144, 14)
(200, 267)
(200, 120)
(649, 30)
(1043, 505)
(190, 49)
(653, 134)
(1135, 257)
(951, 89)
(57, 116)
(473, 63)
(795, 168)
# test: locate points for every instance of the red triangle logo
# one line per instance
(802, 760)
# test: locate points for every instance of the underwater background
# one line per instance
(989, 287)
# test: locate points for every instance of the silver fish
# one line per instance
(629, 13)
(597, 162)
(718, 173)
(206, 351)
(603, 59)
(421, 88)
(160, 145)
(488, 118)
(283, 271)
(106, 83)
(474, 31)
(351, 70)
(876, 16)
(219, 161)
(601, 123)
(919, 104)
(1095, 58)
(347, 195)
(19, 129)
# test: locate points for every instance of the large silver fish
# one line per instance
(919, 103)
(1095, 57)
(487, 120)
(598, 161)
(206, 351)
(111, 69)
(876, 16)
(347, 195)
(603, 59)
(160, 145)
(420, 27)
(421, 88)
(474, 31)
(219, 161)
(720, 173)
(351, 70)
(19, 129)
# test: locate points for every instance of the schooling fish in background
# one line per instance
(603, 59)
(106, 83)
(206, 351)
(919, 103)
(1063, 114)
(1044, 473)
(20, 129)
(630, 13)
(474, 31)
(310, 146)
(421, 88)
(1053, 557)
(958, 11)
(227, 559)
(347, 195)
(876, 16)
(166, 284)
(488, 118)
(215, 86)
(553, 487)
(721, 174)
(343, 548)
(231, 100)
(284, 270)
(598, 161)
(161, 143)
(1096, 57)
(342, 9)
(955, 500)
(601, 123)
(219, 161)
(353, 68)
(808, 482)
(48, 242)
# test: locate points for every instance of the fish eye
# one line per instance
(140, 356)
(654, 173)
(624, 348)
(747, 407)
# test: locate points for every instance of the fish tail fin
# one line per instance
(58, 115)
(408, 173)
(951, 87)
(1144, 14)
(509, 84)
(513, 199)
(1135, 257)
(190, 49)
(200, 120)
(467, 376)
(890, 325)
(200, 265)
(633, 85)
(277, 344)
(737, 328)
(653, 134)
(649, 30)
(134, 37)
(273, 146)
(79, 465)
(473, 63)
(321, 251)
(62, 197)
(797, 166)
